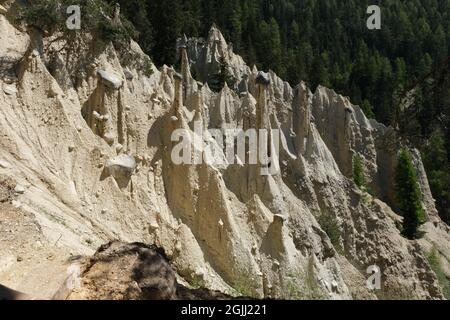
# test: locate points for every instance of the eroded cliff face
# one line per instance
(87, 139)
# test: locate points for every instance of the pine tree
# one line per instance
(217, 81)
(166, 20)
(437, 166)
(319, 72)
(358, 171)
(408, 195)
(368, 109)
(137, 9)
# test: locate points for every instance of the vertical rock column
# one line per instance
(189, 83)
(199, 108)
(175, 119)
(302, 117)
(262, 112)
(103, 111)
(268, 154)
(178, 99)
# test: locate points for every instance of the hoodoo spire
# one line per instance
(262, 112)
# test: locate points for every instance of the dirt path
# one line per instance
(28, 262)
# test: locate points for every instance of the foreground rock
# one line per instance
(110, 80)
(121, 168)
(10, 294)
(121, 271)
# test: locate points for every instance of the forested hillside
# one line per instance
(327, 42)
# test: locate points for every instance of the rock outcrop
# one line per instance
(121, 168)
(224, 225)
(9, 294)
(120, 271)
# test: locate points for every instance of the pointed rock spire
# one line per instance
(184, 40)
(263, 78)
(249, 111)
(178, 100)
(302, 116)
(262, 113)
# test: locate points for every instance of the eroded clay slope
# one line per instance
(87, 136)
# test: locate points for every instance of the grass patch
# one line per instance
(302, 285)
(147, 67)
(197, 283)
(244, 285)
(435, 263)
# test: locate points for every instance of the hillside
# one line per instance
(86, 158)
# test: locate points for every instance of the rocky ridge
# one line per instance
(88, 137)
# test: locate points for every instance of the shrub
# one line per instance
(50, 16)
(328, 222)
(243, 284)
(45, 15)
(147, 67)
(358, 171)
(197, 283)
(218, 80)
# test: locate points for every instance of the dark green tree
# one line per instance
(165, 17)
(218, 80)
(367, 108)
(320, 74)
(408, 195)
(138, 10)
(438, 169)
